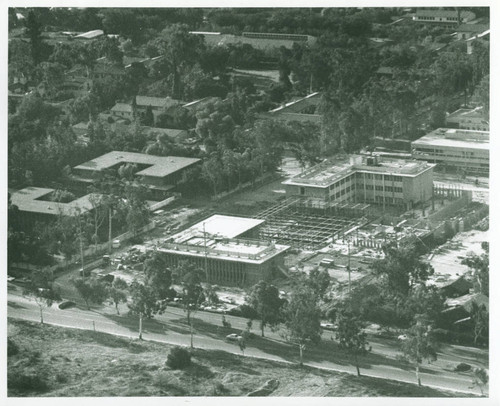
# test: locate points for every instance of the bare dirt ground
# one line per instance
(54, 361)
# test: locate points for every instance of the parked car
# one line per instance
(233, 337)
(67, 304)
(402, 337)
(329, 326)
(85, 272)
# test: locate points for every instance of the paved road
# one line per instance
(171, 328)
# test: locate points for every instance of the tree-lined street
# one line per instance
(171, 327)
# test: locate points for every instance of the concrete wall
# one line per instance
(418, 188)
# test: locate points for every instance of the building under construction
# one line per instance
(304, 225)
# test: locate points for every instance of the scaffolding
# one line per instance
(294, 223)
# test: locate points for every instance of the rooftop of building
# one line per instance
(444, 13)
(170, 132)
(286, 106)
(81, 125)
(458, 138)
(256, 40)
(216, 237)
(90, 34)
(219, 225)
(160, 166)
(463, 112)
(476, 28)
(161, 102)
(331, 170)
(122, 107)
(30, 199)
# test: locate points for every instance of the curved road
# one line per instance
(171, 328)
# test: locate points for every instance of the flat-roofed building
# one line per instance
(258, 40)
(467, 151)
(221, 245)
(468, 119)
(159, 173)
(448, 18)
(364, 179)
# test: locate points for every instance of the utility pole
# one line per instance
(206, 253)
(80, 232)
(349, 262)
(110, 234)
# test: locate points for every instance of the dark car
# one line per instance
(107, 278)
(85, 272)
(67, 304)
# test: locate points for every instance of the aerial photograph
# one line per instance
(253, 202)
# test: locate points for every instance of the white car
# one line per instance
(328, 326)
(402, 337)
(233, 337)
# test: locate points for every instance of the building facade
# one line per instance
(468, 119)
(220, 245)
(447, 18)
(464, 151)
(365, 179)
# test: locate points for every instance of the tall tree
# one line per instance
(144, 302)
(91, 290)
(264, 299)
(419, 344)
(41, 289)
(351, 336)
(479, 268)
(480, 379)
(480, 319)
(33, 30)
(302, 319)
(118, 292)
(192, 295)
(319, 281)
(402, 268)
(178, 48)
(158, 275)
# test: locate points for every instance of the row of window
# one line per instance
(387, 178)
(381, 188)
(452, 154)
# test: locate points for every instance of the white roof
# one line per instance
(222, 226)
(458, 138)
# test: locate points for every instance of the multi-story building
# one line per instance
(468, 119)
(448, 18)
(365, 179)
(465, 151)
(159, 173)
(221, 246)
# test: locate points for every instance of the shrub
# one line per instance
(463, 367)
(136, 239)
(178, 358)
(27, 383)
(62, 378)
(219, 389)
(248, 312)
(12, 348)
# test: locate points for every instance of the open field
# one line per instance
(58, 361)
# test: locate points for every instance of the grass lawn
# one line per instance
(55, 361)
